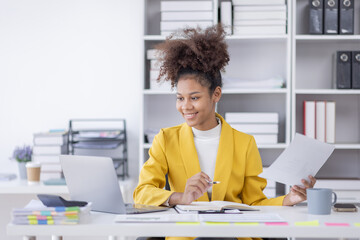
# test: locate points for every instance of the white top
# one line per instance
(207, 144)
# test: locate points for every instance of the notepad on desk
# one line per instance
(213, 206)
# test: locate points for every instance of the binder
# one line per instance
(316, 17)
(355, 70)
(331, 16)
(330, 121)
(309, 118)
(320, 120)
(226, 16)
(343, 70)
(346, 17)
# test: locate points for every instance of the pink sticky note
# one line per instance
(337, 224)
(276, 223)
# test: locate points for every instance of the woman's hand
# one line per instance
(297, 193)
(195, 187)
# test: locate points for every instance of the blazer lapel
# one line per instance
(189, 155)
(224, 161)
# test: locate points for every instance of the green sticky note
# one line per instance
(307, 223)
(357, 224)
(217, 223)
(247, 223)
(187, 223)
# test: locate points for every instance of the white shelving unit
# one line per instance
(313, 79)
(305, 61)
(271, 53)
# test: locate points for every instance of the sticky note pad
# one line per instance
(276, 223)
(307, 223)
(187, 223)
(357, 224)
(217, 223)
(337, 224)
(247, 223)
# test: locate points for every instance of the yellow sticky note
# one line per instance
(217, 223)
(187, 223)
(307, 223)
(247, 223)
(357, 224)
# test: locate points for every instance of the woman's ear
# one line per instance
(217, 94)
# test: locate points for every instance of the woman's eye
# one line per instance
(180, 98)
(194, 98)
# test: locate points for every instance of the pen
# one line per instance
(214, 182)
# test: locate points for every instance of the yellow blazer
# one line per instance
(237, 167)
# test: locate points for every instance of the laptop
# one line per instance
(94, 179)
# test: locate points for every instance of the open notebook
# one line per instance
(213, 206)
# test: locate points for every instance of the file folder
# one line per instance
(331, 16)
(346, 17)
(316, 16)
(355, 70)
(343, 70)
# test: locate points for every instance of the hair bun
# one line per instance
(193, 48)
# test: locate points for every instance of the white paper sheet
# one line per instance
(246, 217)
(157, 218)
(303, 157)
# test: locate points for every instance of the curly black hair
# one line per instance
(193, 51)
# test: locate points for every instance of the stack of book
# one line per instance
(270, 189)
(319, 120)
(155, 63)
(347, 190)
(42, 215)
(47, 148)
(263, 126)
(180, 14)
(259, 17)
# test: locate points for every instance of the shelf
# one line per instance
(225, 91)
(347, 146)
(319, 38)
(257, 37)
(328, 91)
(253, 90)
(147, 145)
(231, 37)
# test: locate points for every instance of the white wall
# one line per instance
(63, 59)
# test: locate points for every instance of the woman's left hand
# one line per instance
(297, 193)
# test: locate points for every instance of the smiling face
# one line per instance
(195, 103)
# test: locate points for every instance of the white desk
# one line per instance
(22, 187)
(103, 225)
(16, 194)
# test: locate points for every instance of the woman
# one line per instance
(205, 147)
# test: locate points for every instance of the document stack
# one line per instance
(319, 120)
(47, 148)
(180, 14)
(37, 214)
(155, 63)
(259, 17)
(263, 126)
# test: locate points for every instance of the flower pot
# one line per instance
(22, 170)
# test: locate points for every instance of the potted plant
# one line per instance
(22, 155)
